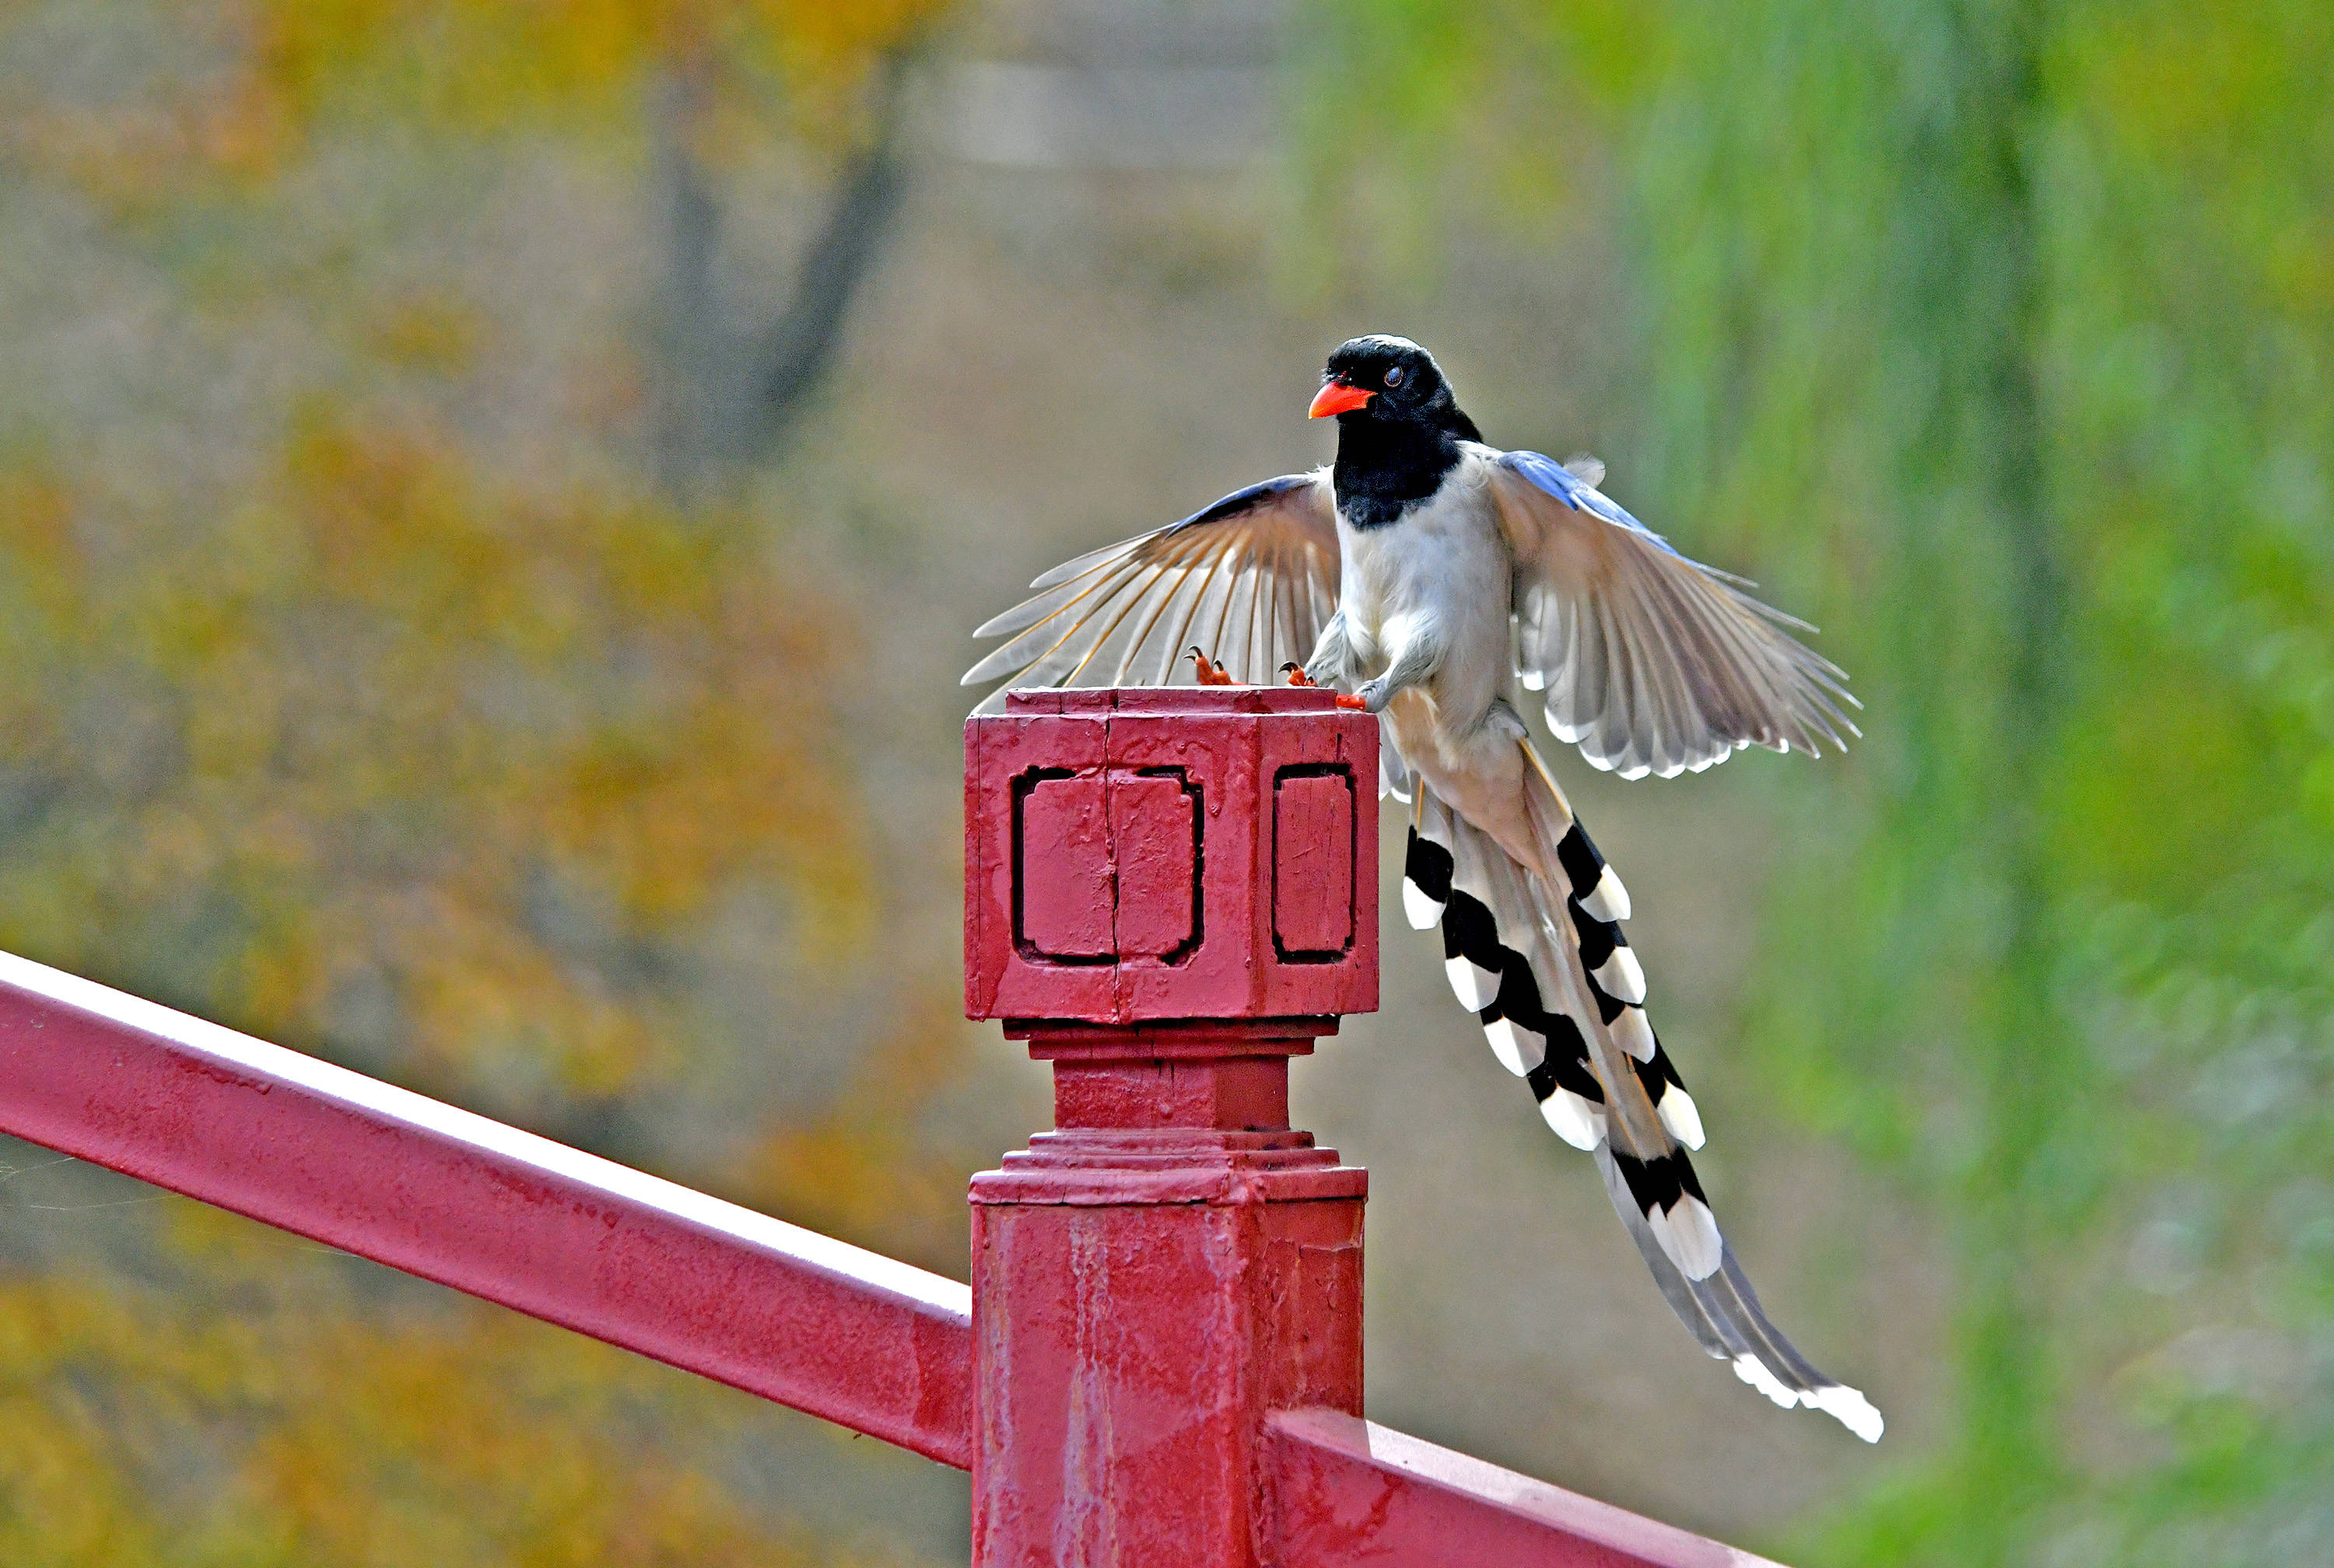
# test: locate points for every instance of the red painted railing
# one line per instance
(558, 1233)
(1159, 1360)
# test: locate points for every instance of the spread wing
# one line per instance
(1252, 580)
(1652, 663)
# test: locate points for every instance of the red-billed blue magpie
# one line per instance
(1429, 576)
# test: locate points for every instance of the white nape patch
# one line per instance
(1623, 978)
(1424, 914)
(1534, 680)
(1632, 1033)
(1681, 1116)
(1474, 984)
(1849, 1409)
(1508, 1043)
(1688, 1232)
(1608, 899)
(1754, 1371)
(1574, 1119)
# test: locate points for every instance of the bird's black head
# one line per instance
(1391, 380)
(1398, 428)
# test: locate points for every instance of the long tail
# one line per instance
(1542, 961)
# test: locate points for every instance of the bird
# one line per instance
(1432, 580)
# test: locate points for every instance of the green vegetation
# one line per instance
(2002, 333)
(362, 686)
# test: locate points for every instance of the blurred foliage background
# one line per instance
(490, 499)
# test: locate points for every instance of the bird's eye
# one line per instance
(1393, 377)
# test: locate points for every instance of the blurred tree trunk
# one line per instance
(736, 376)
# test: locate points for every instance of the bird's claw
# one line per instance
(1209, 673)
(1296, 677)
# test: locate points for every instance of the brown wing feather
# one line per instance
(1253, 579)
(1650, 662)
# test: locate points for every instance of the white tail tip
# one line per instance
(1688, 1232)
(1474, 984)
(1850, 1410)
(1574, 1119)
(1506, 1045)
(1422, 912)
(1608, 899)
(1632, 1033)
(1754, 1371)
(1681, 1115)
(1622, 978)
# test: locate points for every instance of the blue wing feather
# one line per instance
(1551, 477)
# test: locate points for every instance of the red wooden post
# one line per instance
(1169, 894)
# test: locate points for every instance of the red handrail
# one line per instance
(555, 1233)
(1351, 1491)
(643, 1263)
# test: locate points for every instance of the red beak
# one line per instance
(1337, 398)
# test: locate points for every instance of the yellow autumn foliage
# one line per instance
(270, 1429)
(383, 711)
(351, 700)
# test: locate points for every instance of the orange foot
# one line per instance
(1210, 673)
(1352, 700)
(1296, 677)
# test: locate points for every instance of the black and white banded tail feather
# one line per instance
(1542, 961)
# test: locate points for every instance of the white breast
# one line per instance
(1442, 572)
